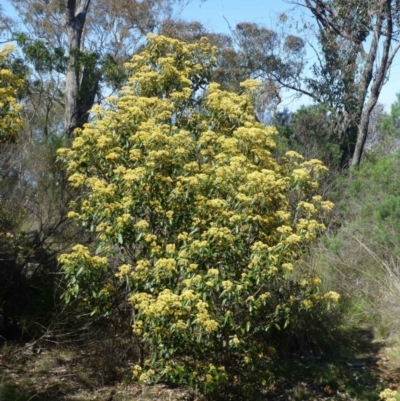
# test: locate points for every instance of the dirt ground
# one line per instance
(44, 372)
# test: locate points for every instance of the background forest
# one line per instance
(169, 230)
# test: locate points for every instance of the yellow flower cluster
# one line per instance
(332, 296)
(81, 252)
(389, 395)
(10, 85)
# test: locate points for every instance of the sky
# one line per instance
(214, 14)
(218, 15)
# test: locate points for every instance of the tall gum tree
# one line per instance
(75, 110)
(95, 38)
(355, 45)
(358, 42)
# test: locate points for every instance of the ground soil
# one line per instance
(42, 371)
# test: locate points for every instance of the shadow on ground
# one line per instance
(348, 370)
(354, 368)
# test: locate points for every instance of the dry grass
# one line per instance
(367, 275)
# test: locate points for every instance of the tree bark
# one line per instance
(363, 131)
(380, 76)
(380, 24)
(75, 17)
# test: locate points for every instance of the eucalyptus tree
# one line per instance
(357, 42)
(88, 41)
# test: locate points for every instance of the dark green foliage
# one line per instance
(46, 59)
(360, 256)
(376, 189)
(43, 57)
(391, 123)
(310, 132)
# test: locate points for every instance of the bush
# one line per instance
(389, 395)
(362, 259)
(310, 131)
(10, 87)
(197, 220)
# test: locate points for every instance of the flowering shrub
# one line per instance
(389, 395)
(178, 177)
(10, 85)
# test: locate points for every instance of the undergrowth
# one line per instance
(360, 258)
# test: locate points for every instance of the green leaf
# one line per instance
(248, 325)
(120, 239)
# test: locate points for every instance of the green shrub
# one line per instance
(195, 217)
(361, 259)
(310, 131)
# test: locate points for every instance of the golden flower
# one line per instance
(142, 224)
(293, 239)
(136, 370)
(332, 296)
(301, 174)
(170, 248)
(183, 236)
(213, 272)
(123, 270)
(307, 303)
(73, 215)
(192, 267)
(210, 325)
(235, 340)
(294, 155)
(315, 281)
(287, 266)
(326, 205)
(227, 285)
